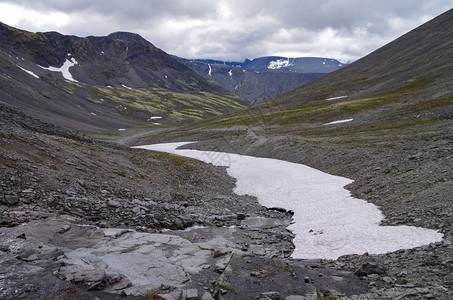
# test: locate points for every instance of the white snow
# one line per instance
(210, 70)
(155, 123)
(328, 221)
(93, 114)
(166, 76)
(230, 73)
(154, 118)
(335, 98)
(64, 69)
(121, 129)
(126, 87)
(102, 100)
(279, 63)
(28, 72)
(338, 122)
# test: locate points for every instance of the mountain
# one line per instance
(251, 86)
(103, 83)
(297, 65)
(263, 78)
(282, 64)
(385, 121)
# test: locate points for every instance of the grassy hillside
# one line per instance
(119, 81)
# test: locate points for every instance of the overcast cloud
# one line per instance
(234, 29)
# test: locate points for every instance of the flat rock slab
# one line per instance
(113, 260)
(146, 260)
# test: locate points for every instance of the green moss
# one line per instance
(206, 249)
(153, 295)
(224, 286)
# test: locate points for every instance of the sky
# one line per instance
(234, 30)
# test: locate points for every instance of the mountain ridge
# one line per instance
(120, 80)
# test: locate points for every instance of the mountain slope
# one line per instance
(98, 83)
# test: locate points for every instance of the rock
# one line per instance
(191, 294)
(207, 296)
(271, 295)
(64, 229)
(371, 267)
(295, 297)
(21, 236)
(11, 199)
(114, 203)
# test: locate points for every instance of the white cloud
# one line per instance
(233, 29)
(16, 15)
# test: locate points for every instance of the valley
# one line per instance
(86, 215)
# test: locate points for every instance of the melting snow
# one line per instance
(278, 64)
(154, 118)
(126, 87)
(328, 221)
(338, 122)
(64, 69)
(29, 72)
(210, 70)
(230, 73)
(335, 98)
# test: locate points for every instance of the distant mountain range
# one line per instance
(283, 64)
(262, 78)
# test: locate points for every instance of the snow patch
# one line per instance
(328, 221)
(335, 98)
(64, 69)
(93, 114)
(154, 118)
(338, 122)
(126, 87)
(121, 129)
(210, 70)
(230, 73)
(28, 72)
(279, 63)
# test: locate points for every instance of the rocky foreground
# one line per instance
(82, 219)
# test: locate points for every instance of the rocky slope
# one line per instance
(102, 83)
(82, 219)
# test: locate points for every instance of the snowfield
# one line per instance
(328, 221)
(64, 69)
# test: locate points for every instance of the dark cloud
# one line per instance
(236, 29)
